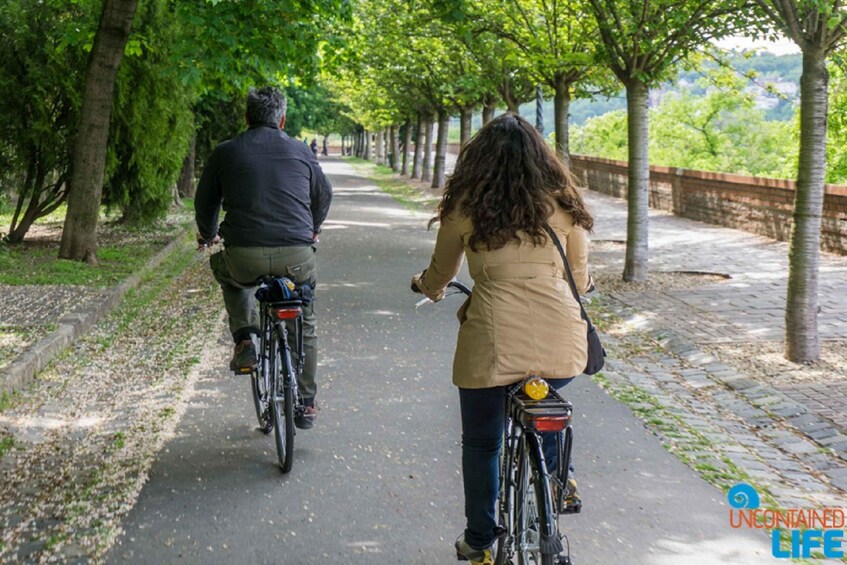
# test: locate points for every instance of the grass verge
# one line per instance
(400, 188)
(128, 375)
(123, 250)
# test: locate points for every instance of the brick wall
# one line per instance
(756, 204)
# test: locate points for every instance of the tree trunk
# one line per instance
(801, 311)
(426, 171)
(561, 107)
(185, 184)
(175, 197)
(79, 236)
(488, 112)
(539, 109)
(380, 148)
(367, 140)
(394, 150)
(635, 268)
(419, 141)
(42, 201)
(441, 150)
(465, 126)
(407, 140)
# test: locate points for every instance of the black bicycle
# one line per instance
(281, 358)
(531, 496)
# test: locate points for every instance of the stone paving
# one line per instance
(788, 434)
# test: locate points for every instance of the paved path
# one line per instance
(750, 307)
(377, 481)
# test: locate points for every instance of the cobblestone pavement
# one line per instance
(787, 430)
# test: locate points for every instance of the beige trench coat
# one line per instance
(522, 316)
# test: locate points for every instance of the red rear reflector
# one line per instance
(287, 313)
(549, 423)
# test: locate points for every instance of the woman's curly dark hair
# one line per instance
(506, 180)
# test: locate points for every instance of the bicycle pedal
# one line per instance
(575, 509)
(243, 371)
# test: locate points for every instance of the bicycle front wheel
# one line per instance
(536, 538)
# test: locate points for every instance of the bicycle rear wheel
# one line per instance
(536, 538)
(506, 502)
(283, 408)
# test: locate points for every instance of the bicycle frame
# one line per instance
(274, 328)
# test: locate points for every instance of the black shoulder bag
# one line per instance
(596, 353)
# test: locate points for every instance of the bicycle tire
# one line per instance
(284, 430)
(283, 409)
(531, 509)
(260, 402)
(506, 504)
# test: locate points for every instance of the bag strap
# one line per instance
(571, 282)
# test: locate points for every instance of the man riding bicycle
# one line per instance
(275, 197)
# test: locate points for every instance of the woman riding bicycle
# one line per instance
(521, 317)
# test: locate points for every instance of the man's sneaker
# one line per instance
(244, 357)
(305, 420)
(464, 552)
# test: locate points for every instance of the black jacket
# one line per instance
(271, 187)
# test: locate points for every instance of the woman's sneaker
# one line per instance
(571, 502)
(464, 552)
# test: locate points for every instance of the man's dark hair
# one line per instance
(265, 105)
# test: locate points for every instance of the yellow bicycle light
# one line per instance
(536, 388)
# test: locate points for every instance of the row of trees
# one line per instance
(112, 101)
(110, 98)
(418, 62)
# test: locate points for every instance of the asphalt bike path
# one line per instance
(378, 478)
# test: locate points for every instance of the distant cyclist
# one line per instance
(522, 316)
(276, 197)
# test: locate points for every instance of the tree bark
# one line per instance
(441, 150)
(380, 148)
(367, 140)
(407, 140)
(185, 185)
(802, 342)
(419, 141)
(394, 150)
(488, 112)
(426, 170)
(79, 236)
(465, 126)
(561, 107)
(635, 267)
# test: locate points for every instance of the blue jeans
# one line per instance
(483, 422)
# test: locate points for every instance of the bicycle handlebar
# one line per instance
(460, 287)
(452, 284)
